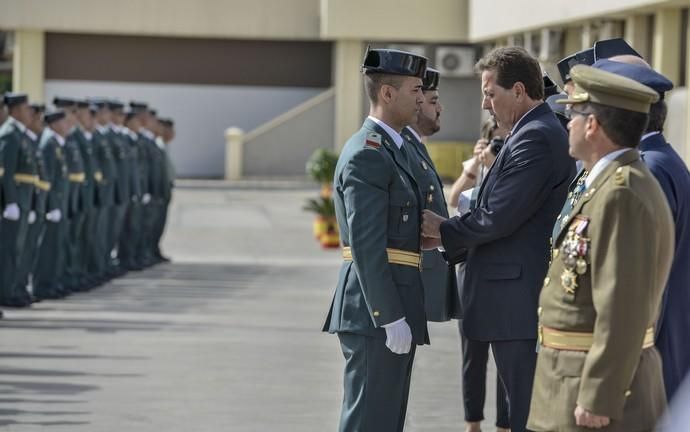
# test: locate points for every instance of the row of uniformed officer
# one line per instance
(82, 195)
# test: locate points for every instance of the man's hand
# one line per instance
(398, 337)
(54, 215)
(431, 243)
(587, 419)
(431, 224)
(32, 217)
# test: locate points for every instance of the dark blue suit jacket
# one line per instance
(674, 321)
(505, 240)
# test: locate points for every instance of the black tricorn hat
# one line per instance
(53, 115)
(585, 57)
(550, 87)
(394, 62)
(613, 47)
(38, 108)
(430, 80)
(13, 99)
(62, 102)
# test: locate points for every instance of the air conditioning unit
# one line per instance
(456, 62)
(419, 50)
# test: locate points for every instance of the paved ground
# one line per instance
(226, 338)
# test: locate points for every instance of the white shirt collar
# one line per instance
(397, 139)
(523, 116)
(160, 143)
(102, 129)
(18, 124)
(147, 133)
(414, 132)
(88, 135)
(31, 134)
(647, 135)
(601, 165)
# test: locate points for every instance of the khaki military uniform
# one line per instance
(599, 304)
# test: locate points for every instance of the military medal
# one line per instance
(569, 281)
(424, 165)
(581, 266)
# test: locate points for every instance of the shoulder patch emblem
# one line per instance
(373, 140)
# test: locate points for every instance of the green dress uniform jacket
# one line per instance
(20, 175)
(50, 266)
(440, 285)
(378, 206)
(106, 161)
(606, 280)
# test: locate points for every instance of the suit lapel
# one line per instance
(625, 159)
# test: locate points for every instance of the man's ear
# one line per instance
(519, 90)
(386, 93)
(592, 126)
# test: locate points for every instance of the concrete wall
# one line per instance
(284, 149)
(437, 20)
(201, 113)
(498, 18)
(256, 19)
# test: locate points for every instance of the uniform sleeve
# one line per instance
(365, 181)
(521, 188)
(624, 297)
(10, 154)
(47, 153)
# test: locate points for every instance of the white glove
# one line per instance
(398, 337)
(11, 212)
(54, 215)
(32, 217)
(146, 198)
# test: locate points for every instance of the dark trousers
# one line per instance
(376, 384)
(50, 264)
(130, 241)
(516, 361)
(13, 235)
(30, 248)
(475, 355)
(73, 276)
(117, 222)
(160, 226)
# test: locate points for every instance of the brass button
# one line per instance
(547, 280)
(408, 203)
(431, 187)
(376, 313)
(539, 311)
(555, 253)
(619, 170)
(559, 217)
(627, 392)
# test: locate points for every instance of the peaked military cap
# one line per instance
(550, 87)
(62, 102)
(585, 57)
(82, 103)
(167, 122)
(613, 47)
(38, 108)
(639, 73)
(54, 115)
(430, 80)
(394, 62)
(606, 88)
(14, 99)
(93, 108)
(153, 112)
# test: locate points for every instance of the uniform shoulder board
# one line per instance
(620, 177)
(373, 140)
